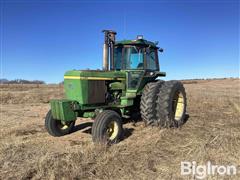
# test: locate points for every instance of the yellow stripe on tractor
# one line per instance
(92, 78)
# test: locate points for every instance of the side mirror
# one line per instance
(161, 50)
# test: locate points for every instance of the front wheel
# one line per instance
(56, 127)
(107, 128)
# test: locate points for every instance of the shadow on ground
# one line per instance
(82, 126)
(127, 132)
(186, 119)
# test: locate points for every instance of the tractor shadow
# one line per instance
(127, 132)
(87, 126)
(136, 117)
(186, 119)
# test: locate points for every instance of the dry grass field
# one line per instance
(211, 133)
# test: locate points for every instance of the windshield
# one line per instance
(133, 58)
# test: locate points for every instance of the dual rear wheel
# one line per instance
(163, 104)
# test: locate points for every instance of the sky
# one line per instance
(40, 40)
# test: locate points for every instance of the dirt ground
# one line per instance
(211, 133)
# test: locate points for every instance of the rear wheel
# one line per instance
(107, 128)
(171, 104)
(148, 102)
(56, 127)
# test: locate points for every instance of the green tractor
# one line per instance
(127, 84)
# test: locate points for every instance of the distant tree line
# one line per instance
(203, 79)
(20, 81)
(23, 81)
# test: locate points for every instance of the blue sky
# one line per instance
(40, 40)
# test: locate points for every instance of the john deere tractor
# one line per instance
(128, 84)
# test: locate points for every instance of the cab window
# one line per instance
(152, 60)
(118, 58)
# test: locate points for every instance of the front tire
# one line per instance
(56, 127)
(107, 128)
(171, 104)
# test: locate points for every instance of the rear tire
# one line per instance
(107, 128)
(148, 102)
(171, 104)
(56, 127)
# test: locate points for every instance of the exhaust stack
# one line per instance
(105, 57)
(109, 41)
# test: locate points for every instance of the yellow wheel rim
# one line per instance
(61, 125)
(178, 106)
(64, 127)
(112, 130)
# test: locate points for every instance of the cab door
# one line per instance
(134, 66)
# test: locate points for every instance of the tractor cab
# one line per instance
(137, 58)
(136, 54)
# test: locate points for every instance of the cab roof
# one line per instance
(136, 42)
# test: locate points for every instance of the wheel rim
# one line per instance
(178, 106)
(63, 125)
(112, 130)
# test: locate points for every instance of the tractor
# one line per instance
(128, 84)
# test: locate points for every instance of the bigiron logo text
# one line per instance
(208, 169)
